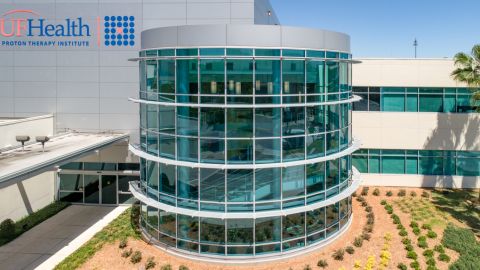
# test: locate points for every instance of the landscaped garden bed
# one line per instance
(392, 228)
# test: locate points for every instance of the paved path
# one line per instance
(50, 242)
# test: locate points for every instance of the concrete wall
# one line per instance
(404, 72)
(401, 180)
(412, 130)
(23, 198)
(34, 126)
(117, 153)
(87, 88)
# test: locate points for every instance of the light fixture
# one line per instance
(213, 87)
(286, 87)
(257, 85)
(231, 85)
(270, 88)
(238, 88)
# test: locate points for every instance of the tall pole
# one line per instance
(415, 44)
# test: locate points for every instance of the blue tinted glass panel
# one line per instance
(293, 181)
(267, 184)
(240, 185)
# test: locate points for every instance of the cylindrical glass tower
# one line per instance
(245, 139)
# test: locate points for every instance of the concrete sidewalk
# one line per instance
(50, 242)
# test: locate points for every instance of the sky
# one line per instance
(387, 28)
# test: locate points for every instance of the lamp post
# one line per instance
(415, 44)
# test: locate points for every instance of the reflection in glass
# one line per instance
(293, 121)
(187, 182)
(239, 151)
(239, 77)
(212, 185)
(239, 185)
(240, 123)
(293, 226)
(212, 80)
(267, 230)
(293, 76)
(239, 231)
(267, 122)
(267, 184)
(212, 122)
(267, 77)
(293, 181)
(213, 230)
(187, 227)
(187, 76)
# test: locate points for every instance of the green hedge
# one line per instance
(464, 242)
(33, 220)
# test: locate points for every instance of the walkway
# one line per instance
(50, 242)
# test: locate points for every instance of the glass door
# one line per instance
(92, 188)
(109, 189)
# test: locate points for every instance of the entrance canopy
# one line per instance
(17, 164)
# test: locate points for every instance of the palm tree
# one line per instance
(468, 72)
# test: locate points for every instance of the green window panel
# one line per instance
(167, 179)
(293, 181)
(267, 230)
(315, 119)
(212, 51)
(293, 148)
(411, 165)
(267, 52)
(393, 102)
(187, 121)
(239, 77)
(187, 227)
(449, 104)
(240, 185)
(430, 103)
(239, 51)
(187, 183)
(293, 53)
(360, 162)
(166, 119)
(332, 77)
(152, 76)
(374, 164)
(315, 77)
(166, 76)
(239, 231)
(293, 226)
(267, 184)
(267, 77)
(239, 123)
(187, 149)
(187, 76)
(315, 146)
(268, 122)
(239, 151)
(213, 231)
(393, 164)
(212, 122)
(315, 220)
(212, 185)
(212, 151)
(293, 72)
(267, 150)
(167, 223)
(315, 177)
(187, 52)
(212, 76)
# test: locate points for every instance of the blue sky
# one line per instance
(387, 28)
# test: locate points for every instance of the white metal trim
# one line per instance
(352, 148)
(354, 98)
(137, 193)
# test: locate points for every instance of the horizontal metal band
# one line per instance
(137, 193)
(138, 152)
(354, 98)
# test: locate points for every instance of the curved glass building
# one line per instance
(245, 139)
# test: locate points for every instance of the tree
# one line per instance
(468, 71)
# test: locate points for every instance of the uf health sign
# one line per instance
(27, 28)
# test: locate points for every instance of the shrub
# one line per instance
(422, 244)
(364, 191)
(406, 241)
(368, 209)
(358, 241)
(322, 263)
(403, 233)
(127, 253)
(431, 267)
(402, 266)
(413, 194)
(150, 263)
(383, 202)
(389, 193)
(439, 249)
(7, 228)
(166, 267)
(400, 227)
(307, 267)
(444, 258)
(122, 244)
(431, 261)
(412, 255)
(428, 253)
(370, 215)
(350, 250)
(409, 247)
(370, 220)
(368, 228)
(416, 231)
(360, 199)
(338, 254)
(415, 265)
(354, 194)
(422, 238)
(413, 224)
(364, 203)
(183, 267)
(426, 226)
(376, 192)
(366, 236)
(425, 194)
(431, 234)
(136, 257)
(402, 193)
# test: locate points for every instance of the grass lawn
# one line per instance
(34, 219)
(122, 227)
(456, 204)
